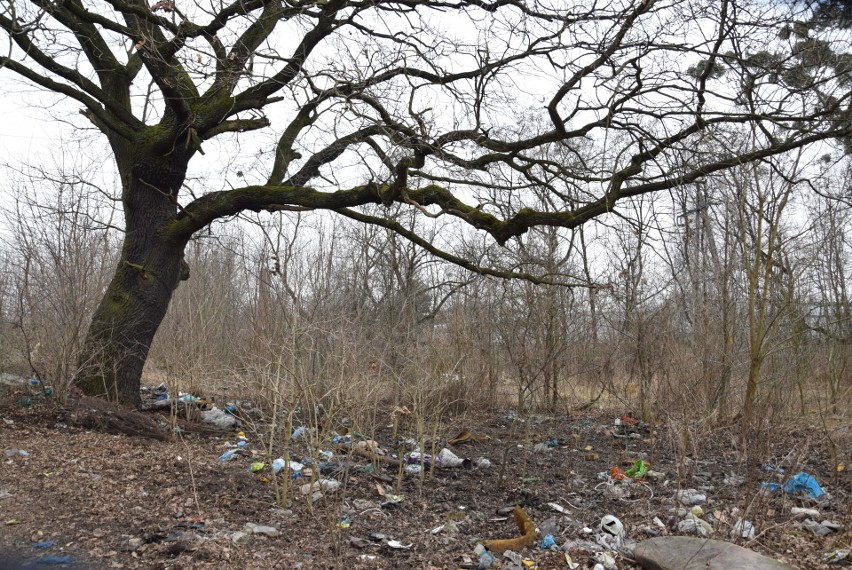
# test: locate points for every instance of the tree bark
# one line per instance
(137, 298)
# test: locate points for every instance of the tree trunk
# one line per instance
(149, 270)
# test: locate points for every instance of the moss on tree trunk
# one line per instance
(137, 298)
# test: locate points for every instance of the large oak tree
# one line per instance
(448, 107)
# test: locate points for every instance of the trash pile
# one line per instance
(157, 398)
(28, 391)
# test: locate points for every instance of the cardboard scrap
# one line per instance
(467, 437)
(527, 538)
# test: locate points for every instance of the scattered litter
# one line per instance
(299, 432)
(482, 463)
(5, 494)
(486, 559)
(269, 531)
(694, 525)
(804, 511)
(606, 559)
(558, 508)
(639, 469)
(514, 558)
(16, 452)
(816, 528)
(467, 437)
(743, 529)
(397, 545)
(837, 556)
(548, 542)
(218, 418)
(580, 545)
(280, 464)
(391, 501)
(527, 538)
(228, 455)
(832, 526)
(414, 469)
(444, 459)
(359, 542)
(691, 497)
(613, 526)
(344, 522)
(801, 482)
(257, 466)
(447, 458)
(318, 488)
(44, 544)
(571, 564)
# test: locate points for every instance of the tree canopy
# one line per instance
(470, 109)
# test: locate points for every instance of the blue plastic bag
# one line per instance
(800, 482)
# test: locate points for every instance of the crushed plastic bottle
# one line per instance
(228, 455)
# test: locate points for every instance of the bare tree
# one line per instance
(60, 252)
(407, 102)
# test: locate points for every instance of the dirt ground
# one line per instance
(114, 501)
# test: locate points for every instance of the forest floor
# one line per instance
(115, 501)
